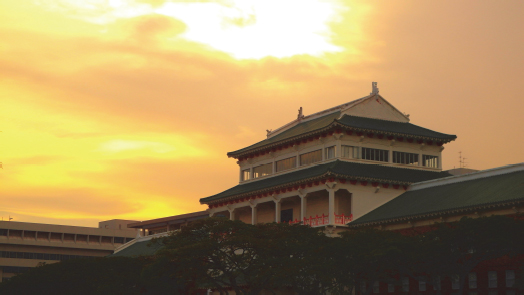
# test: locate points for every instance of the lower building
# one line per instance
(498, 191)
(24, 245)
(155, 228)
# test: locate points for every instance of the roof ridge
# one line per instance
(339, 118)
(327, 111)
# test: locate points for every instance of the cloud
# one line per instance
(118, 145)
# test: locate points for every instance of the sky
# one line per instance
(125, 109)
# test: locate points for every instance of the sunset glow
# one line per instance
(127, 108)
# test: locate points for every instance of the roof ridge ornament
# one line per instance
(374, 88)
(300, 114)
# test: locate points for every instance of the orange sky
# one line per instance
(127, 108)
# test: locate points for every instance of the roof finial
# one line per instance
(374, 88)
(300, 115)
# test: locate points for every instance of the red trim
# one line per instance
(400, 139)
(410, 140)
(349, 132)
(342, 180)
(429, 142)
(396, 186)
(363, 183)
(370, 135)
(380, 136)
(359, 133)
(375, 184)
(385, 185)
(390, 137)
(353, 182)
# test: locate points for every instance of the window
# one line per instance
(246, 174)
(376, 287)
(350, 152)
(363, 287)
(455, 282)
(472, 279)
(3, 232)
(263, 170)
(119, 240)
(492, 279)
(405, 284)
(436, 283)
(375, 154)
(510, 278)
(330, 152)
(286, 164)
(286, 215)
(311, 157)
(391, 288)
(422, 285)
(405, 158)
(430, 161)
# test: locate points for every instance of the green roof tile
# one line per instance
(305, 127)
(352, 122)
(336, 168)
(141, 248)
(393, 127)
(467, 194)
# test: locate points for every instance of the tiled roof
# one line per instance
(293, 132)
(350, 122)
(393, 127)
(471, 194)
(337, 168)
(170, 219)
(140, 248)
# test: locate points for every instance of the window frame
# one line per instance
(372, 154)
(243, 173)
(294, 166)
(326, 152)
(270, 164)
(399, 157)
(354, 154)
(308, 153)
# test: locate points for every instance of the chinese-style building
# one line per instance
(331, 167)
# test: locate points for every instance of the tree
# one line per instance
(369, 255)
(118, 275)
(221, 254)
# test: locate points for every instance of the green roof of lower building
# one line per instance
(475, 193)
(338, 169)
(140, 248)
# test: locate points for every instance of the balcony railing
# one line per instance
(323, 220)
